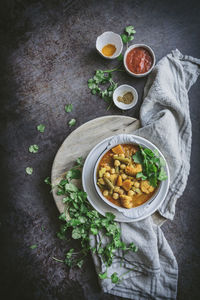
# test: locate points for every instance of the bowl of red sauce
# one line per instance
(139, 60)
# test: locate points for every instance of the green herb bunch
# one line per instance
(152, 166)
(84, 221)
(103, 78)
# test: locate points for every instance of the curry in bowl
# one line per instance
(128, 175)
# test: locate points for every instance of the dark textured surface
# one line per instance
(47, 55)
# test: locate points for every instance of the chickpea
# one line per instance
(136, 184)
(101, 181)
(107, 175)
(121, 191)
(105, 193)
(115, 196)
(131, 193)
(124, 176)
(122, 155)
(138, 191)
(112, 171)
(116, 189)
(117, 163)
(122, 166)
(108, 168)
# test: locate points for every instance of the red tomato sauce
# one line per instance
(139, 60)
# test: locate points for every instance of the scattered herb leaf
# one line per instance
(68, 108)
(41, 128)
(47, 180)
(72, 122)
(128, 35)
(115, 278)
(79, 162)
(33, 247)
(103, 275)
(33, 148)
(29, 170)
(120, 57)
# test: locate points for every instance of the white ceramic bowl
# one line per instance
(106, 38)
(161, 192)
(120, 91)
(150, 51)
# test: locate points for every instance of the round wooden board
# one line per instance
(82, 140)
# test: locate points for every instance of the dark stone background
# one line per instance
(47, 55)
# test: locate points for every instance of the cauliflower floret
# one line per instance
(146, 187)
(126, 201)
(133, 169)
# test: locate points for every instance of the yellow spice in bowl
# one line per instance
(108, 50)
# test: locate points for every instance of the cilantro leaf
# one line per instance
(29, 170)
(120, 57)
(41, 128)
(114, 278)
(33, 247)
(70, 187)
(152, 166)
(130, 30)
(47, 180)
(103, 275)
(72, 122)
(68, 108)
(128, 35)
(73, 174)
(33, 148)
(79, 161)
(124, 38)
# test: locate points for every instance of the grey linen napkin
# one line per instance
(165, 120)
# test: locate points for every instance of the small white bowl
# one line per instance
(120, 91)
(106, 38)
(142, 46)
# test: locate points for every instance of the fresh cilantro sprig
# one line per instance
(152, 166)
(33, 148)
(41, 128)
(84, 221)
(72, 122)
(100, 79)
(68, 108)
(29, 170)
(128, 34)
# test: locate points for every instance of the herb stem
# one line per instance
(58, 260)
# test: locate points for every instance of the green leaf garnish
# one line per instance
(47, 180)
(79, 161)
(130, 30)
(33, 247)
(33, 148)
(128, 35)
(120, 57)
(115, 278)
(41, 128)
(29, 170)
(68, 107)
(103, 275)
(72, 122)
(152, 166)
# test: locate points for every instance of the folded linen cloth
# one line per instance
(165, 119)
